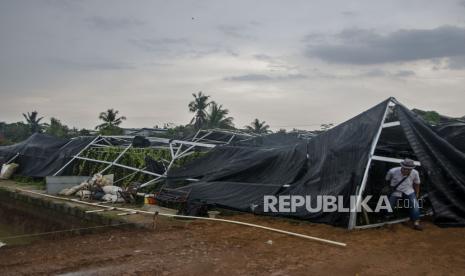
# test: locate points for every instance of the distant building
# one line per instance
(146, 132)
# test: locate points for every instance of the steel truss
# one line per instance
(177, 148)
(361, 188)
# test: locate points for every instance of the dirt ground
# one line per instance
(212, 248)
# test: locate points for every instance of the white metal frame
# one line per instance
(361, 188)
(177, 148)
(12, 159)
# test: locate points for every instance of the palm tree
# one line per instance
(198, 106)
(110, 119)
(217, 117)
(33, 121)
(258, 127)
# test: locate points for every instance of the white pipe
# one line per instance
(116, 159)
(192, 217)
(74, 157)
(353, 213)
(12, 159)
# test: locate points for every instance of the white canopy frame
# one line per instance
(372, 157)
(178, 149)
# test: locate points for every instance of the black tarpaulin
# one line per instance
(42, 155)
(235, 195)
(454, 133)
(337, 161)
(444, 164)
(335, 165)
(272, 140)
(217, 136)
(246, 164)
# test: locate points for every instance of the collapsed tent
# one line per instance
(445, 166)
(218, 136)
(273, 140)
(42, 155)
(336, 162)
(239, 170)
(454, 133)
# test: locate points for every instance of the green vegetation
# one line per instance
(38, 183)
(134, 157)
(258, 127)
(56, 128)
(33, 121)
(217, 117)
(199, 107)
(111, 122)
(207, 114)
(14, 132)
(432, 117)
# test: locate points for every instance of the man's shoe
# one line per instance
(418, 227)
(389, 216)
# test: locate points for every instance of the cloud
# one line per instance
(404, 73)
(234, 31)
(276, 64)
(263, 77)
(379, 73)
(92, 64)
(456, 63)
(112, 23)
(375, 73)
(263, 57)
(168, 47)
(159, 44)
(349, 13)
(362, 47)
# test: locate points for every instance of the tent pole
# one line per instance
(129, 175)
(353, 213)
(119, 165)
(195, 136)
(116, 159)
(74, 157)
(12, 159)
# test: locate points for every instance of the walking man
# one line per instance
(405, 183)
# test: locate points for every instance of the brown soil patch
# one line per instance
(211, 248)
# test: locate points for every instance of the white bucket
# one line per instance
(213, 214)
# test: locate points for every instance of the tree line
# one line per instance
(208, 114)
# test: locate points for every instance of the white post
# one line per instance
(12, 159)
(118, 165)
(116, 159)
(353, 213)
(74, 157)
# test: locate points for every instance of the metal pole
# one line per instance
(74, 157)
(353, 213)
(150, 182)
(116, 159)
(11, 160)
(129, 175)
(119, 165)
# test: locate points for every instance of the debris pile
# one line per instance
(99, 187)
(8, 170)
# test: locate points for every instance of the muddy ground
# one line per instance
(211, 248)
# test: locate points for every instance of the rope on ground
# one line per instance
(192, 217)
(61, 231)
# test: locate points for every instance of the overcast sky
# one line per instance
(291, 63)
